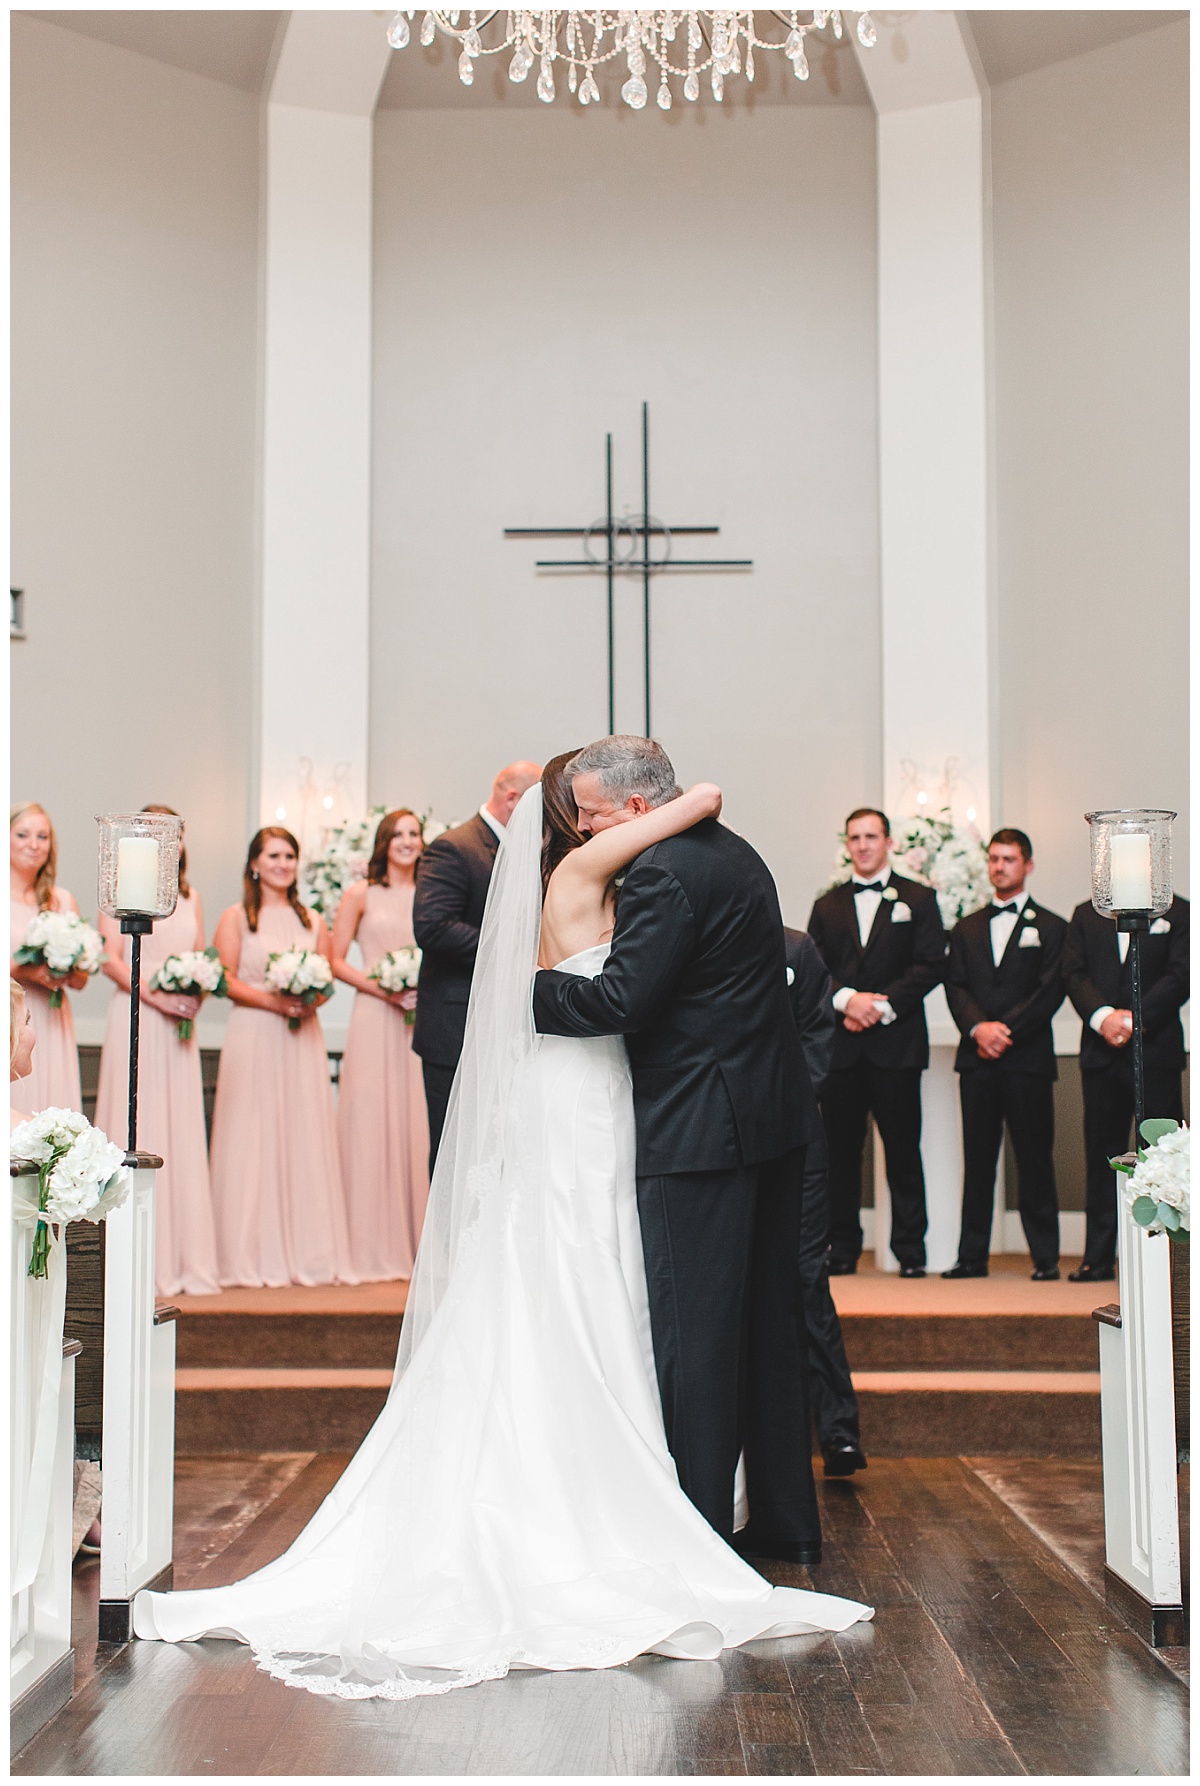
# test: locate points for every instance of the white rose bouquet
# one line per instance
(197, 973)
(81, 1174)
(299, 973)
(398, 972)
(61, 942)
(1159, 1179)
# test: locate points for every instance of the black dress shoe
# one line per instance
(912, 1271)
(780, 1550)
(842, 1459)
(1045, 1274)
(1092, 1274)
(843, 1267)
(966, 1271)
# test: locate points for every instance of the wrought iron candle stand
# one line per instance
(138, 884)
(1131, 883)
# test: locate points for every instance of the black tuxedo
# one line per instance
(1023, 990)
(877, 1072)
(696, 982)
(1096, 976)
(834, 1404)
(453, 875)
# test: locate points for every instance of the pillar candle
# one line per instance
(1130, 871)
(137, 874)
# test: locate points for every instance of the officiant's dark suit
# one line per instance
(1023, 990)
(877, 1071)
(835, 1405)
(696, 981)
(453, 876)
(1098, 981)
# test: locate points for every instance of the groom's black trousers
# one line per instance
(727, 1318)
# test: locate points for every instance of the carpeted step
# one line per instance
(298, 1341)
(275, 1410)
(1010, 1413)
(957, 1342)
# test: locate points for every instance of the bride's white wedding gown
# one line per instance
(515, 1504)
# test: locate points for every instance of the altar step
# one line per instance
(996, 1366)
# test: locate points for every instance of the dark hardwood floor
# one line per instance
(988, 1655)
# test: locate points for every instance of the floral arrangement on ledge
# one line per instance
(932, 849)
(345, 853)
(1158, 1187)
(81, 1174)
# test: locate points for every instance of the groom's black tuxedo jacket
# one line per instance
(696, 982)
(902, 961)
(453, 875)
(1095, 975)
(1024, 991)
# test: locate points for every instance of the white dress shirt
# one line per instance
(865, 907)
(1097, 1017)
(1001, 928)
(491, 821)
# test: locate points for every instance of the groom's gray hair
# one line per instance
(627, 765)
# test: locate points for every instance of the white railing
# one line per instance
(41, 1477)
(1137, 1413)
(139, 1413)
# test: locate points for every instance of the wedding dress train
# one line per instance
(515, 1504)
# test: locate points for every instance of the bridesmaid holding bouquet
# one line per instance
(33, 863)
(383, 1129)
(170, 1093)
(277, 1185)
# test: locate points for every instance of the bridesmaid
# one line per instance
(21, 1042)
(383, 1129)
(170, 1094)
(33, 861)
(277, 1186)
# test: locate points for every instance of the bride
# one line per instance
(515, 1504)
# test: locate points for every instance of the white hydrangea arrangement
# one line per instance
(61, 942)
(398, 971)
(197, 973)
(82, 1175)
(932, 849)
(345, 854)
(299, 973)
(1158, 1187)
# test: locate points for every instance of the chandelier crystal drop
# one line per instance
(719, 43)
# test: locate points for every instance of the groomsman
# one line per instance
(1096, 972)
(453, 875)
(834, 1403)
(881, 938)
(1003, 986)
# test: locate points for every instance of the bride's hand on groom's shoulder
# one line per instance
(710, 797)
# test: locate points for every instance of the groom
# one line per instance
(696, 982)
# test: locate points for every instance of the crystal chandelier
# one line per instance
(681, 45)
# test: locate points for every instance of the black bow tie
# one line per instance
(998, 910)
(867, 887)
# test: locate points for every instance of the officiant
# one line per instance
(453, 876)
(1096, 972)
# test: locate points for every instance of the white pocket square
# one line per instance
(1160, 927)
(901, 913)
(1029, 939)
(791, 974)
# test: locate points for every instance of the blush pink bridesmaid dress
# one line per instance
(383, 1129)
(170, 1116)
(54, 1079)
(277, 1185)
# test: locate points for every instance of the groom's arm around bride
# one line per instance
(696, 982)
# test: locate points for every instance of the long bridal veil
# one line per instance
(499, 1040)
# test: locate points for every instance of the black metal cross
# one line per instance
(638, 530)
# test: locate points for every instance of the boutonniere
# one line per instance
(791, 974)
(901, 913)
(890, 893)
(1160, 927)
(1030, 914)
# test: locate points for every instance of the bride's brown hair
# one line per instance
(560, 816)
(252, 886)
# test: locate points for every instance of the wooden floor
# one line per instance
(989, 1654)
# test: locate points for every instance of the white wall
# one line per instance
(1090, 200)
(134, 389)
(537, 275)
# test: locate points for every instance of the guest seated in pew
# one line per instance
(1003, 986)
(1096, 973)
(834, 1403)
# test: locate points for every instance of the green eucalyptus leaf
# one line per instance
(1144, 1211)
(1168, 1216)
(1155, 1127)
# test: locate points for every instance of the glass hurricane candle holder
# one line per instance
(139, 864)
(1131, 862)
